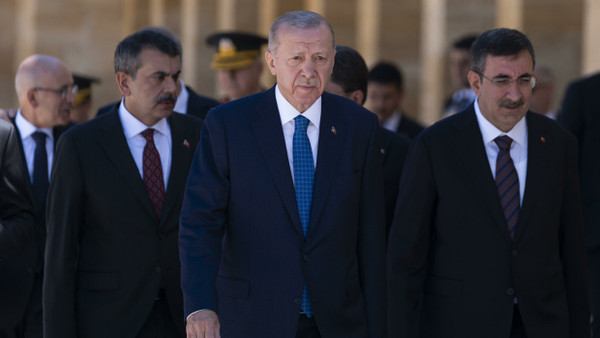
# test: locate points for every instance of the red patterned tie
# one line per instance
(507, 182)
(153, 174)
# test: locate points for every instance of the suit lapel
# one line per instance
(269, 134)
(328, 156)
(538, 153)
(470, 147)
(117, 150)
(179, 163)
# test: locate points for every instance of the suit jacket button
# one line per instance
(307, 258)
(158, 269)
(510, 291)
(298, 300)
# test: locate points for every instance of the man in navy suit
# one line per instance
(261, 255)
(349, 79)
(487, 238)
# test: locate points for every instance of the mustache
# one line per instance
(167, 98)
(511, 104)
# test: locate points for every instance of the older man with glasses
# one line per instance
(45, 90)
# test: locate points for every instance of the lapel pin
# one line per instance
(186, 144)
(382, 151)
(333, 130)
(543, 139)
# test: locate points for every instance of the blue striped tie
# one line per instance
(304, 176)
(507, 183)
(40, 173)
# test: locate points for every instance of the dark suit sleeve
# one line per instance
(371, 237)
(203, 218)
(409, 242)
(64, 217)
(572, 251)
(571, 115)
(17, 219)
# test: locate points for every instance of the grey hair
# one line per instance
(127, 55)
(300, 20)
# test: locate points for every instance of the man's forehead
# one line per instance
(521, 61)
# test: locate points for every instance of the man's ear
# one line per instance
(357, 96)
(31, 98)
(270, 61)
(474, 81)
(124, 82)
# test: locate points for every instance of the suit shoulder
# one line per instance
(394, 138)
(591, 82)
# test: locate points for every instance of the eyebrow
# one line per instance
(160, 72)
(504, 76)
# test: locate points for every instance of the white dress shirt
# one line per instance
(393, 121)
(287, 113)
(518, 148)
(26, 129)
(133, 128)
(182, 99)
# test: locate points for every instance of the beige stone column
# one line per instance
(26, 29)
(368, 29)
(267, 13)
(590, 37)
(189, 28)
(128, 22)
(226, 15)
(509, 14)
(317, 6)
(433, 42)
(157, 12)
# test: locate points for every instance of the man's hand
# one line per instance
(203, 324)
(7, 114)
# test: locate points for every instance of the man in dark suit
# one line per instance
(269, 245)
(17, 231)
(45, 90)
(580, 115)
(188, 101)
(386, 91)
(349, 79)
(487, 238)
(112, 267)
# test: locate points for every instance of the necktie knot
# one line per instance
(148, 134)
(301, 124)
(503, 142)
(39, 138)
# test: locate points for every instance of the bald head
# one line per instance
(44, 88)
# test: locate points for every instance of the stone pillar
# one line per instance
(433, 42)
(317, 6)
(226, 15)
(26, 29)
(157, 12)
(590, 41)
(128, 22)
(368, 29)
(509, 14)
(189, 40)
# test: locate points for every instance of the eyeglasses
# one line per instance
(527, 81)
(64, 92)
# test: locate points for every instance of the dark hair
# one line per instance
(464, 42)
(127, 54)
(387, 73)
(350, 70)
(499, 42)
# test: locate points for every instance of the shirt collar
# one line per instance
(287, 112)
(27, 128)
(133, 127)
(489, 132)
(182, 99)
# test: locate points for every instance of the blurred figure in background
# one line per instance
(459, 65)
(543, 92)
(238, 63)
